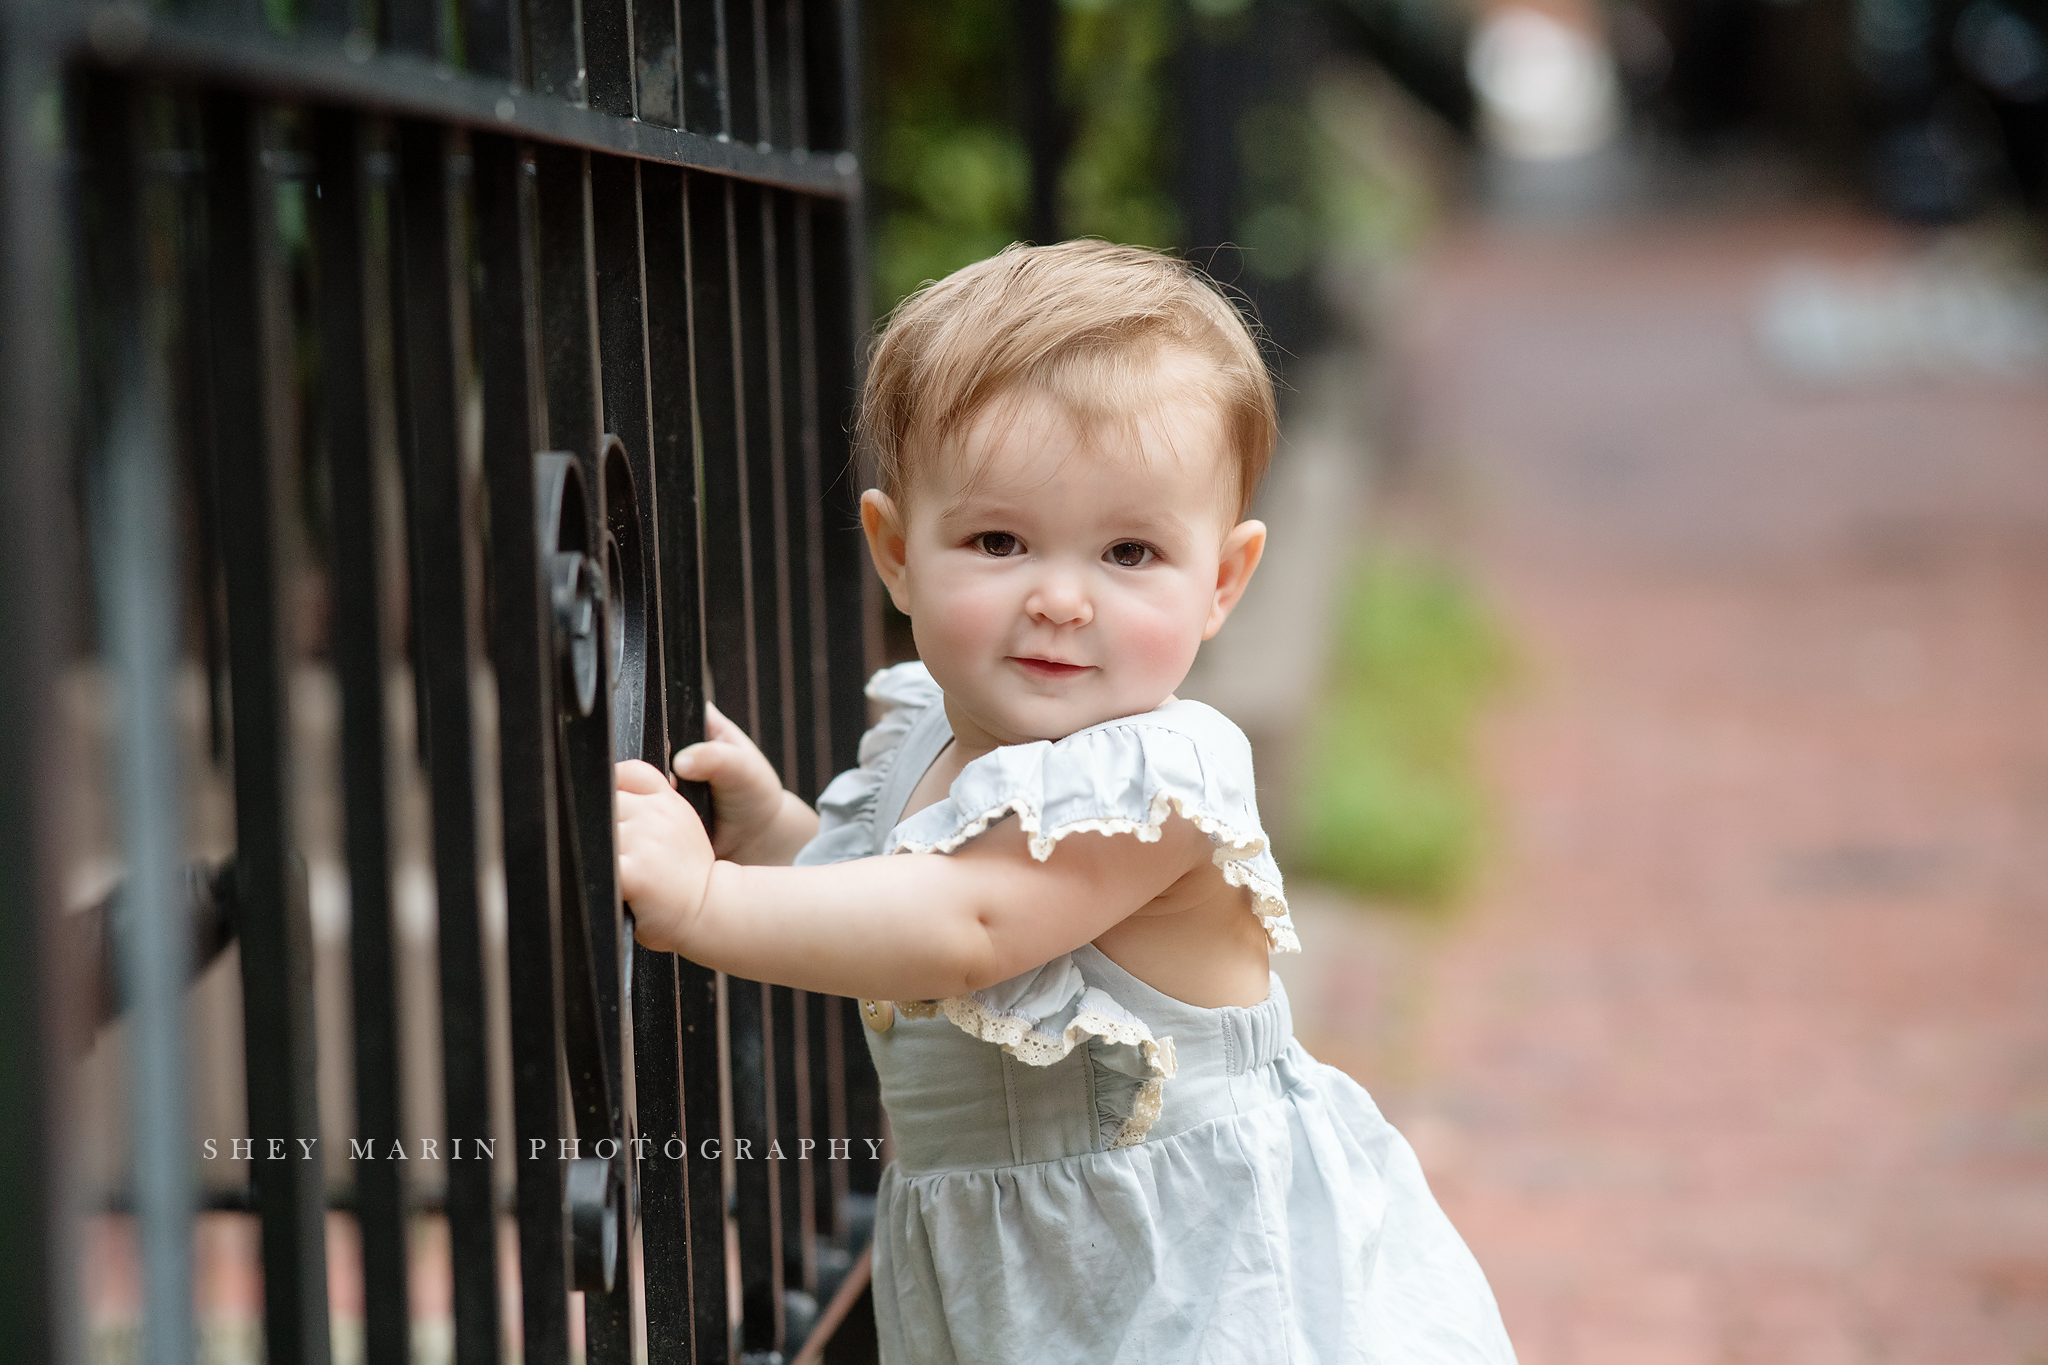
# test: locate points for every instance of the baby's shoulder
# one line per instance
(1186, 749)
(1125, 775)
(1208, 731)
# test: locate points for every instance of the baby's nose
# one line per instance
(1059, 601)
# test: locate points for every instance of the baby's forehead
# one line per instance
(1164, 438)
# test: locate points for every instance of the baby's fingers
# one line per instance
(699, 762)
(716, 726)
(642, 779)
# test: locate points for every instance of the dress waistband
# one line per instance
(1245, 1037)
(1256, 1035)
(958, 1103)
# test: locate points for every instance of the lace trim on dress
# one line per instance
(1018, 1035)
(1234, 849)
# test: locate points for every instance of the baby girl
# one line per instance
(1047, 881)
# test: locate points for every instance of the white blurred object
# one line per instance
(1546, 90)
(1832, 325)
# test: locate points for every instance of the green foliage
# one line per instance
(1390, 802)
(947, 165)
(1324, 165)
(1115, 81)
(1374, 192)
(1327, 174)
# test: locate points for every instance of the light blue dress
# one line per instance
(1089, 1170)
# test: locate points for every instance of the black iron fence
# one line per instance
(499, 350)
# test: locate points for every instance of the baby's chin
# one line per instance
(1051, 719)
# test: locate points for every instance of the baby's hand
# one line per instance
(664, 859)
(744, 788)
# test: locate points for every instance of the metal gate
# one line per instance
(545, 312)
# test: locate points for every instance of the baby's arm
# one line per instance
(758, 820)
(914, 926)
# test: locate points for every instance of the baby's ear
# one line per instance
(1235, 563)
(887, 544)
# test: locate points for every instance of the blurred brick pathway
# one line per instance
(1743, 1054)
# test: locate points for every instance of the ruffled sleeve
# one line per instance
(1121, 777)
(846, 808)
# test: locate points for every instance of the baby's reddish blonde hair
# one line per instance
(1093, 325)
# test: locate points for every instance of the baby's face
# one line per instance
(1054, 581)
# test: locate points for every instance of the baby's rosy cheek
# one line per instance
(962, 617)
(1159, 638)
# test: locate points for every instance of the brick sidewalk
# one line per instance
(1743, 1054)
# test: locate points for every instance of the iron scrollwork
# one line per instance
(597, 569)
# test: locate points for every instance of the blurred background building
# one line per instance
(1645, 673)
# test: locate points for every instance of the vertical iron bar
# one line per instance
(683, 439)
(712, 1328)
(338, 221)
(664, 1189)
(796, 78)
(136, 564)
(515, 426)
(608, 55)
(828, 54)
(657, 70)
(722, 420)
(754, 292)
(622, 317)
(779, 400)
(763, 83)
(276, 935)
(742, 70)
(812, 530)
(1037, 24)
(796, 476)
(554, 42)
(808, 1111)
(568, 306)
(778, 39)
(831, 1014)
(672, 447)
(495, 31)
(706, 95)
(37, 1014)
(790, 1185)
(757, 1205)
(835, 271)
(821, 1065)
(428, 296)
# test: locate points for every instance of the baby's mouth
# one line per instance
(1051, 670)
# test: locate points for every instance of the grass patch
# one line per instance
(1390, 799)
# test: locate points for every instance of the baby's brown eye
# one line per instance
(1001, 544)
(1130, 553)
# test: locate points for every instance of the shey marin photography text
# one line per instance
(565, 1149)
